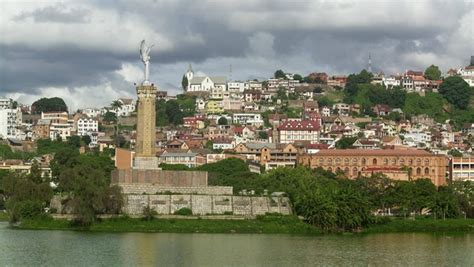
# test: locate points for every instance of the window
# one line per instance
(374, 161)
(427, 171)
(418, 171)
(354, 171)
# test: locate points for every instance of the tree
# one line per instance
(263, 135)
(110, 117)
(222, 121)
(279, 74)
(298, 77)
(354, 79)
(184, 82)
(48, 104)
(345, 142)
(455, 153)
(86, 139)
(456, 91)
(116, 104)
(174, 112)
(432, 73)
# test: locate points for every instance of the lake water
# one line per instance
(64, 248)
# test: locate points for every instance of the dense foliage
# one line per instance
(333, 202)
(173, 111)
(432, 73)
(48, 105)
(456, 91)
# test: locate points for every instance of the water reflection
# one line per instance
(56, 248)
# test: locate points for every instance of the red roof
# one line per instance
(302, 125)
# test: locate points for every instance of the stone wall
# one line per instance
(160, 177)
(158, 189)
(207, 204)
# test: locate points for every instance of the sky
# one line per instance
(87, 51)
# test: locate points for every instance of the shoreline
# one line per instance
(261, 225)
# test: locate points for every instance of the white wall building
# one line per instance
(127, 107)
(467, 74)
(10, 121)
(204, 83)
(91, 112)
(248, 118)
(6, 103)
(60, 130)
(87, 126)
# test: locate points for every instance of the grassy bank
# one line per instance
(269, 224)
(3, 216)
(422, 225)
(264, 224)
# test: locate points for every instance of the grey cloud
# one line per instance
(57, 13)
(275, 38)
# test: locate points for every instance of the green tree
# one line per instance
(263, 135)
(354, 79)
(174, 112)
(279, 74)
(110, 117)
(345, 142)
(48, 105)
(298, 77)
(455, 153)
(456, 91)
(86, 139)
(184, 82)
(116, 104)
(222, 121)
(432, 73)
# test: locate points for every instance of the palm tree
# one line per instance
(116, 104)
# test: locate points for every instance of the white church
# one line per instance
(204, 83)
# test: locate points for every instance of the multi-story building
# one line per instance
(91, 112)
(60, 131)
(391, 81)
(41, 129)
(254, 119)
(462, 169)
(86, 126)
(6, 103)
(291, 131)
(10, 121)
(189, 159)
(61, 117)
(214, 107)
(283, 155)
(396, 164)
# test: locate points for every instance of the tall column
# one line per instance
(145, 157)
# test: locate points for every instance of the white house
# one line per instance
(325, 111)
(126, 108)
(60, 130)
(6, 103)
(10, 121)
(86, 126)
(248, 119)
(467, 73)
(91, 112)
(391, 81)
(224, 144)
(204, 83)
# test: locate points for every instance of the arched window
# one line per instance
(346, 171)
(385, 161)
(427, 161)
(354, 160)
(402, 161)
(374, 161)
(346, 161)
(418, 171)
(321, 161)
(338, 169)
(364, 161)
(338, 160)
(394, 161)
(410, 161)
(427, 171)
(330, 169)
(354, 171)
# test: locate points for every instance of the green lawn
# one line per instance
(264, 224)
(3, 216)
(423, 225)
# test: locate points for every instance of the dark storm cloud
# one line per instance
(27, 69)
(257, 37)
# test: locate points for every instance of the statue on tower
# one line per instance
(145, 57)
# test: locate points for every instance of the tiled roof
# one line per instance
(302, 125)
(378, 152)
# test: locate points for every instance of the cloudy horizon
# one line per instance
(87, 51)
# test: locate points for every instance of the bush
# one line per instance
(228, 213)
(184, 212)
(149, 213)
(24, 210)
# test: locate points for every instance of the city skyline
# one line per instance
(84, 51)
